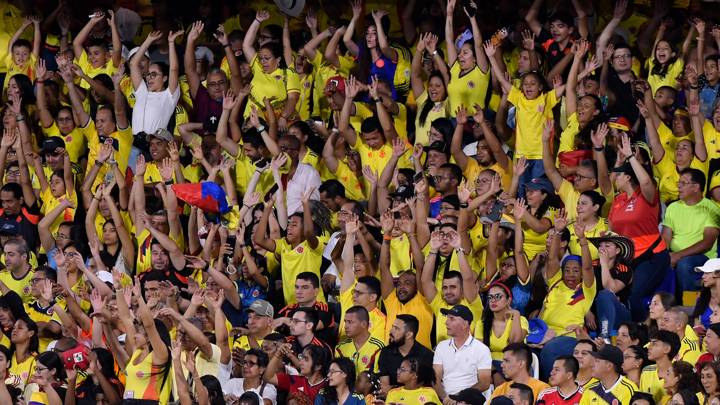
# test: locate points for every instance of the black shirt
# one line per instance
(390, 360)
(619, 272)
(27, 221)
(625, 104)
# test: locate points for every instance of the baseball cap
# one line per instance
(162, 134)
(203, 52)
(710, 266)
(262, 308)
(501, 400)
(542, 184)
(537, 328)
(335, 83)
(458, 310)
(470, 396)
(619, 123)
(134, 51)
(51, 144)
(609, 353)
(9, 228)
(439, 146)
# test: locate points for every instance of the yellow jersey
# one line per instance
(416, 306)
(295, 260)
(531, 116)
(275, 86)
(498, 343)
(146, 381)
(404, 396)
(652, 383)
(378, 319)
(467, 89)
(364, 356)
(108, 68)
(618, 393)
(20, 285)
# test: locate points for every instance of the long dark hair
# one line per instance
(429, 104)
(668, 301)
(425, 375)
(52, 361)
(346, 365)
(660, 69)
(215, 393)
(363, 66)
(488, 316)
(34, 345)
(702, 303)
(583, 139)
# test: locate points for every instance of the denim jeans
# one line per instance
(687, 278)
(610, 309)
(647, 277)
(556, 347)
(534, 169)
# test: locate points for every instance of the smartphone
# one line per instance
(496, 211)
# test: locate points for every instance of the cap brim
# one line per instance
(445, 311)
(701, 269)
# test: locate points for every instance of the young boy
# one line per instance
(22, 56)
(95, 60)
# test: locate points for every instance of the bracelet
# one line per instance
(169, 183)
(19, 118)
(598, 149)
(261, 128)
(39, 81)
(99, 163)
(387, 237)
(464, 205)
(460, 250)
(259, 22)
(411, 235)
(435, 52)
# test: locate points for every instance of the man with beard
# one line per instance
(402, 345)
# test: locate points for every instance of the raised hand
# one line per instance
(520, 166)
(140, 165)
(463, 192)
(436, 240)
(254, 118)
(620, 8)
(369, 175)
(377, 15)
(230, 101)
(625, 146)
(311, 20)
(262, 15)
(352, 225)
(454, 239)
(519, 210)
(548, 130)
(166, 169)
(561, 221)
(489, 49)
(693, 106)
(8, 139)
(152, 37)
(173, 35)
(461, 115)
(352, 87)
(356, 9)
(431, 41)
(387, 222)
(398, 147)
(471, 9)
(278, 161)
(528, 40)
(599, 134)
(195, 30)
(40, 70)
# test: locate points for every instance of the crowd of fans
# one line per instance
(347, 202)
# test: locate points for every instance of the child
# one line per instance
(95, 60)
(533, 106)
(665, 65)
(22, 56)
(708, 74)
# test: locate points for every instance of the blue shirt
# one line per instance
(354, 399)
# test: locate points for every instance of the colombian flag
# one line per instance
(207, 195)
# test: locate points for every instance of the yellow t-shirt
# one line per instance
(144, 244)
(276, 86)
(100, 222)
(531, 116)
(244, 169)
(75, 142)
(108, 68)
(669, 79)
(296, 260)
(39, 314)
(24, 370)
(595, 232)
(652, 383)
(354, 187)
(406, 396)
(49, 203)
(712, 140)
(498, 343)
(669, 140)
(400, 255)
(567, 138)
(535, 242)
(440, 109)
(28, 69)
(438, 303)
(668, 175)
(689, 351)
(468, 89)
(364, 357)
(122, 154)
(20, 285)
(418, 307)
(473, 170)
(563, 306)
(535, 385)
(377, 317)
(145, 381)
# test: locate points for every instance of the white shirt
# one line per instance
(153, 109)
(305, 177)
(461, 365)
(327, 253)
(234, 386)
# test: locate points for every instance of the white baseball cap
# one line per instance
(710, 266)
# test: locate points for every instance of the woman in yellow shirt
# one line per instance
(416, 383)
(147, 358)
(432, 102)
(271, 79)
(588, 208)
(537, 218)
(60, 187)
(469, 71)
(24, 344)
(501, 324)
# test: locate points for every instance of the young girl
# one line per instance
(533, 106)
(60, 187)
(432, 102)
(665, 65)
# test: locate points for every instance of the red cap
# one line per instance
(335, 83)
(619, 123)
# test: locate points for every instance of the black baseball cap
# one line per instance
(459, 310)
(403, 192)
(9, 228)
(610, 353)
(474, 396)
(50, 145)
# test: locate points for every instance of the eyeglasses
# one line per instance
(41, 368)
(331, 372)
(218, 83)
(249, 363)
(152, 75)
(495, 297)
(622, 56)
(293, 320)
(358, 292)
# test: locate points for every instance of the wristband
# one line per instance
(39, 81)
(99, 163)
(19, 118)
(169, 183)
(598, 149)
(464, 205)
(261, 128)
(434, 52)
(387, 237)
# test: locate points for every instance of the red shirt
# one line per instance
(638, 219)
(552, 396)
(298, 383)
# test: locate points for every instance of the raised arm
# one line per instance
(46, 118)
(248, 44)
(532, 17)
(450, 33)
(314, 43)
(383, 42)
(588, 273)
(609, 29)
(352, 88)
(136, 76)
(521, 263)
(191, 73)
(126, 243)
(498, 71)
(480, 58)
(352, 47)
(548, 159)
(121, 117)
(116, 55)
(26, 23)
(492, 140)
(456, 147)
(81, 116)
(159, 348)
(348, 255)
(416, 72)
(229, 103)
(598, 139)
(47, 241)
(260, 236)
(647, 186)
(579, 49)
(84, 33)
(331, 50)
